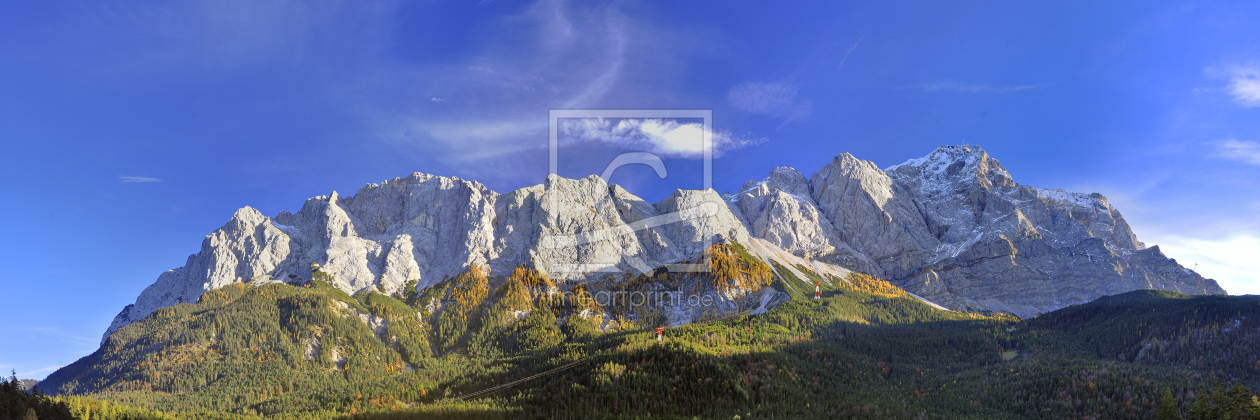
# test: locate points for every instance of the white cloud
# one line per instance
(59, 333)
(553, 55)
(466, 139)
(954, 86)
(663, 137)
(1230, 261)
(1240, 150)
(776, 99)
(1244, 84)
(600, 86)
(26, 375)
(850, 51)
(126, 179)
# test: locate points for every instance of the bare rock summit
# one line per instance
(955, 228)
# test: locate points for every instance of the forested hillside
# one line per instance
(19, 402)
(866, 349)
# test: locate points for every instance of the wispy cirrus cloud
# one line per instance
(484, 108)
(37, 371)
(129, 179)
(849, 52)
(669, 138)
(59, 333)
(1239, 150)
(1244, 84)
(956, 86)
(775, 99)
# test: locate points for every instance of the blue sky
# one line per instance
(131, 129)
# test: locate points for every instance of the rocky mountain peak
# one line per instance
(848, 165)
(946, 156)
(247, 216)
(950, 167)
(788, 180)
(954, 227)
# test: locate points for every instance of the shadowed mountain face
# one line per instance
(952, 227)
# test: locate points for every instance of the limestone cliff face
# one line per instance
(954, 228)
(426, 228)
(782, 211)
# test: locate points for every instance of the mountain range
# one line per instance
(952, 228)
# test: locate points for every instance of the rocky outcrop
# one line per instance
(782, 211)
(955, 228)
